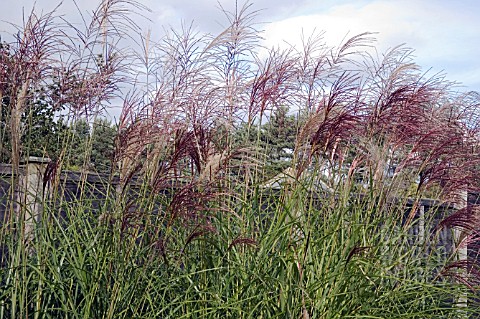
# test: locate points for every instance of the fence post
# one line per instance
(31, 194)
(421, 225)
(461, 249)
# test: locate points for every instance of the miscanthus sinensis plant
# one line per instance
(192, 223)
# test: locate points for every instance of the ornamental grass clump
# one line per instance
(365, 218)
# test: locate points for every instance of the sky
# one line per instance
(444, 34)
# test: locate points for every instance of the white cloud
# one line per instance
(442, 34)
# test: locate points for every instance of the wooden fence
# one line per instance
(72, 186)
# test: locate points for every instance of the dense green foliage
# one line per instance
(333, 260)
(94, 145)
(41, 132)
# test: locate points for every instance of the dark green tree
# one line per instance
(103, 138)
(43, 129)
(278, 137)
(274, 139)
(78, 139)
(92, 145)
